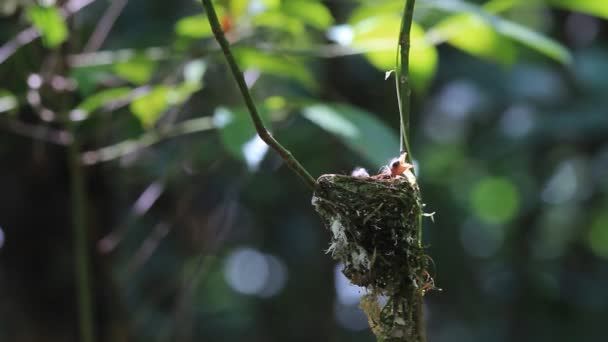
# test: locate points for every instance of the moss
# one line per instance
(374, 225)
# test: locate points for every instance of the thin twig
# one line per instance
(37, 132)
(104, 25)
(289, 159)
(147, 139)
(403, 78)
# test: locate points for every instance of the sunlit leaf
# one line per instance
(100, 99)
(507, 28)
(196, 26)
(477, 37)
(378, 36)
(357, 129)
(495, 200)
(8, 101)
(375, 9)
(239, 136)
(280, 21)
(137, 70)
(597, 8)
(50, 23)
(288, 67)
(150, 106)
(312, 13)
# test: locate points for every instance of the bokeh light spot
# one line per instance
(1, 237)
(494, 200)
(251, 272)
(598, 235)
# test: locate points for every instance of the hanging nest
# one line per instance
(374, 224)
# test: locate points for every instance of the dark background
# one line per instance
(190, 242)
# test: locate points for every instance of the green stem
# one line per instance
(289, 159)
(403, 78)
(81, 256)
(404, 95)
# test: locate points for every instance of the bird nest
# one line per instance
(374, 224)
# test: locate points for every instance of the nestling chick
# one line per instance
(359, 172)
(398, 166)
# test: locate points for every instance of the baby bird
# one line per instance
(396, 168)
(399, 165)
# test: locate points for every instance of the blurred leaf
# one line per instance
(376, 9)
(597, 8)
(475, 36)
(357, 129)
(93, 102)
(289, 67)
(598, 235)
(510, 29)
(50, 23)
(312, 13)
(137, 70)
(196, 26)
(279, 21)
(378, 35)
(88, 78)
(150, 106)
(533, 40)
(239, 136)
(494, 200)
(238, 8)
(423, 59)
(8, 101)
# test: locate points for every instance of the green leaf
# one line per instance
(196, 26)
(50, 23)
(597, 8)
(312, 13)
(377, 9)
(239, 136)
(279, 21)
(150, 106)
(137, 70)
(288, 67)
(533, 40)
(475, 36)
(378, 36)
(8, 101)
(506, 28)
(89, 77)
(597, 237)
(361, 131)
(100, 99)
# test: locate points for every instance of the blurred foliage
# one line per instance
(198, 232)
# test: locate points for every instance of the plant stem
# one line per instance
(402, 78)
(289, 159)
(81, 256)
(405, 104)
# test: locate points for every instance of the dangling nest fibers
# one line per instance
(374, 225)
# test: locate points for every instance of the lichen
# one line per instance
(374, 225)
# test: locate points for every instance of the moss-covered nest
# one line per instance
(374, 226)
